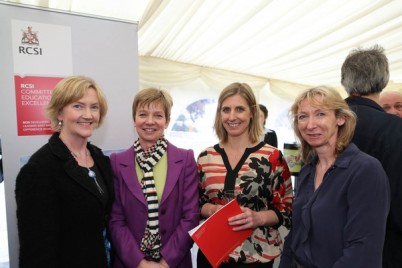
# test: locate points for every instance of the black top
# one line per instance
(61, 216)
(270, 138)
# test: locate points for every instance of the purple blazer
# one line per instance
(178, 209)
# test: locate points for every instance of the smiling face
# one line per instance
(80, 117)
(236, 116)
(318, 126)
(150, 121)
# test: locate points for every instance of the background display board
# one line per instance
(39, 47)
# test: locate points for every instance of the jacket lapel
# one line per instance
(71, 167)
(104, 169)
(76, 173)
(175, 163)
(129, 175)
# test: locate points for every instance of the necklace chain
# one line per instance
(91, 173)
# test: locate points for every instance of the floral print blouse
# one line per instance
(261, 181)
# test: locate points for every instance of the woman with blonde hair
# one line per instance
(254, 171)
(64, 193)
(156, 191)
(342, 199)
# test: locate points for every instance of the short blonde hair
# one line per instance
(69, 90)
(150, 95)
(330, 99)
(245, 91)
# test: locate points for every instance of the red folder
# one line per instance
(215, 236)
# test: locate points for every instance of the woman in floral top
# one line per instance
(256, 171)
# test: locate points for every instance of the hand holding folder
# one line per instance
(215, 236)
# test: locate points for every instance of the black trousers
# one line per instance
(202, 262)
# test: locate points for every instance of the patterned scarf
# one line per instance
(151, 241)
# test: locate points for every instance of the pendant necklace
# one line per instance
(91, 173)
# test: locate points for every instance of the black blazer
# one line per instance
(380, 134)
(61, 216)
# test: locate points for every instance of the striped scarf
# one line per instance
(151, 241)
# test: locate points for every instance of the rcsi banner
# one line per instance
(32, 95)
(41, 49)
(42, 56)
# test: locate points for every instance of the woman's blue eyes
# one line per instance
(156, 115)
(237, 109)
(304, 117)
(301, 117)
(80, 107)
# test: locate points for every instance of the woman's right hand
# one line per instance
(208, 209)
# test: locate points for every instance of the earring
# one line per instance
(60, 124)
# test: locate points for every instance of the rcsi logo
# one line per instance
(30, 43)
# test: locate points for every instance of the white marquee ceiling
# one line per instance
(301, 42)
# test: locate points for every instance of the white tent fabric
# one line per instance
(290, 45)
(302, 42)
(279, 47)
(194, 48)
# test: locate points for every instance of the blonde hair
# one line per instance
(149, 95)
(69, 90)
(328, 98)
(245, 91)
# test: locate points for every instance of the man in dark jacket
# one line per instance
(270, 136)
(364, 75)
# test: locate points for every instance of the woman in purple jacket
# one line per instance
(156, 200)
(342, 196)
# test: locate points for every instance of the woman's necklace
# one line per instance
(91, 173)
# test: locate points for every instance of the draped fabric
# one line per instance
(147, 160)
(302, 43)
